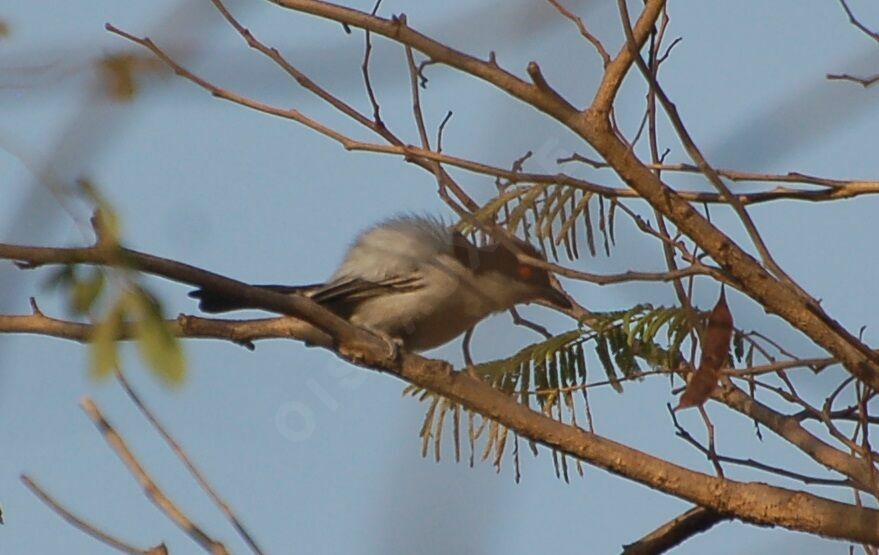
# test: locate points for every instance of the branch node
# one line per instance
(400, 21)
(247, 344)
(99, 226)
(540, 81)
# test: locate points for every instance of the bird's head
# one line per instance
(505, 277)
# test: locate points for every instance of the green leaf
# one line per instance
(159, 348)
(104, 348)
(662, 316)
(85, 292)
(603, 351)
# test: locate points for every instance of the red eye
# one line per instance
(525, 272)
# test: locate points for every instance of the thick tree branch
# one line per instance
(242, 332)
(347, 338)
(753, 502)
(397, 29)
(617, 70)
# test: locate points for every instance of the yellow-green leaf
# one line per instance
(159, 347)
(85, 292)
(104, 351)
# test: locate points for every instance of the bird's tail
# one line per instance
(212, 301)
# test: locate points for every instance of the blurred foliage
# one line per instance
(119, 305)
(119, 73)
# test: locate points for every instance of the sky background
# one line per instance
(317, 456)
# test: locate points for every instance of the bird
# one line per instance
(419, 282)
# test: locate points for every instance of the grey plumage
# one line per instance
(414, 279)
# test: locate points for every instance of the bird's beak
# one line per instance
(555, 297)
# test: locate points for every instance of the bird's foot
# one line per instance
(394, 344)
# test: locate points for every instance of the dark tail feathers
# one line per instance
(211, 301)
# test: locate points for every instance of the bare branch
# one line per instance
(675, 532)
(857, 23)
(152, 491)
(593, 125)
(734, 175)
(791, 430)
(84, 526)
(364, 68)
(863, 81)
(753, 502)
(426, 158)
(190, 466)
(337, 103)
(241, 332)
(716, 459)
(578, 21)
(617, 70)
(358, 343)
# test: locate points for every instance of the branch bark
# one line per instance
(753, 502)
(86, 527)
(675, 532)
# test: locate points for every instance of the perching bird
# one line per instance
(415, 280)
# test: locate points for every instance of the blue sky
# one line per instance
(320, 457)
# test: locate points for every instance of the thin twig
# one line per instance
(857, 23)
(152, 491)
(578, 21)
(863, 81)
(732, 175)
(712, 448)
(308, 84)
(686, 436)
(188, 463)
(364, 68)
(84, 526)
(534, 326)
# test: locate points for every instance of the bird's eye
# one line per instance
(525, 272)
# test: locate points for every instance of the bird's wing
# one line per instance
(353, 290)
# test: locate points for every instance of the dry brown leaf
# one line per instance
(715, 349)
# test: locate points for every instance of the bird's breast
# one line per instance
(445, 306)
